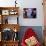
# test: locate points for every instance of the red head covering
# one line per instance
(29, 33)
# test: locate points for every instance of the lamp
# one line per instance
(15, 3)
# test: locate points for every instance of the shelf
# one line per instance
(9, 10)
(11, 26)
(5, 8)
(11, 41)
(7, 16)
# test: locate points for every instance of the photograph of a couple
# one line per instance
(29, 13)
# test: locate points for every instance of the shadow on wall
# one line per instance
(37, 29)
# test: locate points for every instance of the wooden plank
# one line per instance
(10, 26)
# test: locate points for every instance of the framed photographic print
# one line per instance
(5, 12)
(29, 13)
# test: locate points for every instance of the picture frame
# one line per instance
(29, 12)
(5, 12)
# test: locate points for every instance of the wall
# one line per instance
(32, 4)
(44, 12)
(7, 3)
(27, 4)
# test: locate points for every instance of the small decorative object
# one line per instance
(5, 12)
(15, 34)
(13, 12)
(7, 34)
(6, 21)
(15, 30)
(29, 12)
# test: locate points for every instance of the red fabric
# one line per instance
(28, 33)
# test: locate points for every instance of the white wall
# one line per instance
(27, 4)
(32, 4)
(7, 3)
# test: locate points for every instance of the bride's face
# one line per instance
(31, 41)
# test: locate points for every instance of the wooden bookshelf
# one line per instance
(5, 12)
